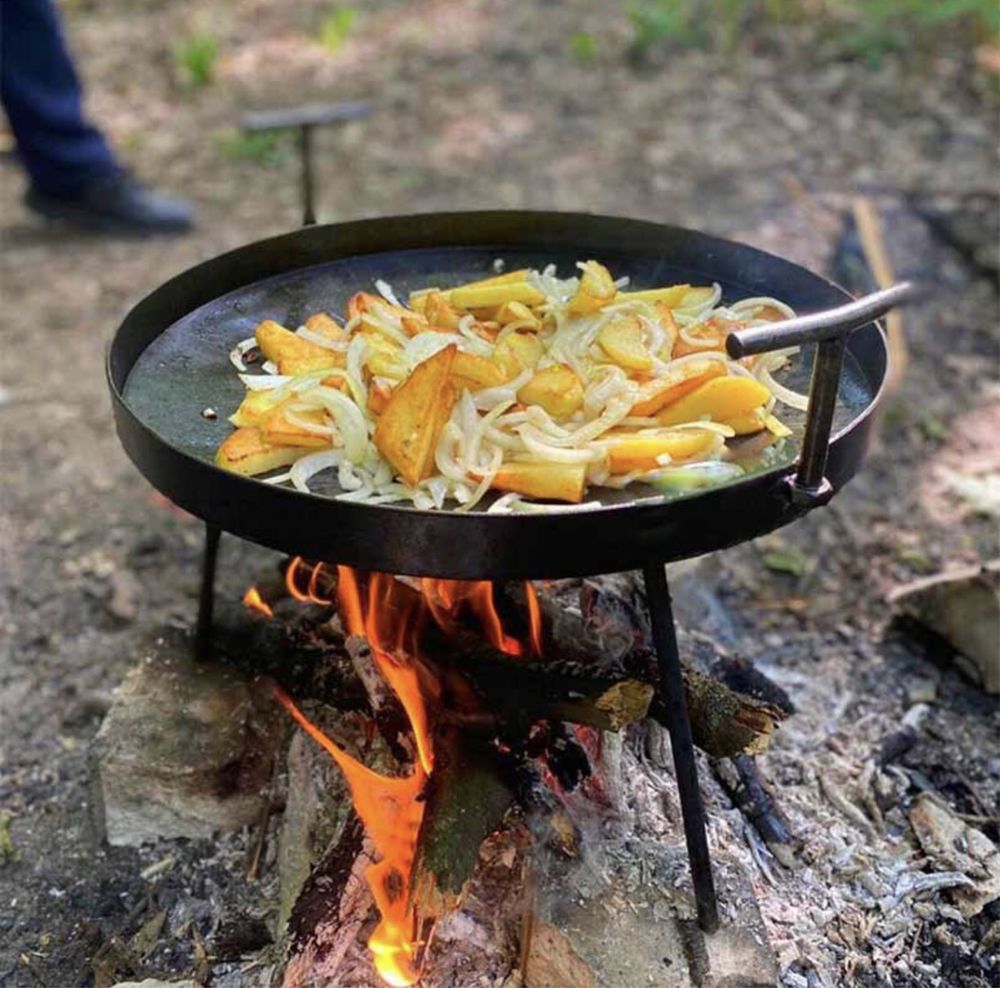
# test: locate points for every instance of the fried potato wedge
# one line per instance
(326, 326)
(378, 398)
(639, 451)
(549, 481)
(419, 297)
(657, 394)
(247, 452)
(440, 313)
(254, 406)
(517, 352)
(671, 296)
(278, 430)
(557, 389)
(517, 314)
(294, 355)
(713, 332)
(720, 399)
(474, 373)
(597, 288)
(408, 430)
(748, 423)
(488, 296)
(623, 341)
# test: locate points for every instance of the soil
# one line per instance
(480, 105)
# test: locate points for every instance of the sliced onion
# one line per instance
(785, 395)
(320, 340)
(241, 348)
(264, 382)
(305, 469)
(348, 419)
(385, 290)
(538, 444)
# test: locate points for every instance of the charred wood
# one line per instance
(741, 780)
(467, 797)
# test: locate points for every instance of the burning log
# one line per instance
(466, 799)
(612, 630)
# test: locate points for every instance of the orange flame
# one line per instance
(391, 810)
(255, 602)
(393, 617)
(534, 617)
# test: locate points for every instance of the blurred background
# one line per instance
(859, 137)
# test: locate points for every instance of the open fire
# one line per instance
(393, 616)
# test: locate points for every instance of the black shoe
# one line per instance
(115, 203)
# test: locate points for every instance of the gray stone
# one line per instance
(186, 749)
(963, 607)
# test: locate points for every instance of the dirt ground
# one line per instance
(480, 105)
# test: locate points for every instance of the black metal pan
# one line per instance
(169, 361)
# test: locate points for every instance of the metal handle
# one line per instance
(305, 118)
(829, 330)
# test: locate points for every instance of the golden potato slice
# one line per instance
(378, 398)
(557, 389)
(474, 372)
(776, 427)
(549, 481)
(408, 429)
(713, 332)
(380, 363)
(748, 423)
(253, 407)
(517, 352)
(671, 296)
(694, 297)
(597, 289)
(247, 452)
(294, 355)
(663, 391)
(719, 399)
(622, 340)
(419, 298)
(326, 326)
(517, 314)
(440, 314)
(278, 430)
(487, 296)
(639, 452)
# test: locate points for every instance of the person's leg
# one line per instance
(41, 93)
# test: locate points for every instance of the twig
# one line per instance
(529, 885)
(840, 802)
(873, 245)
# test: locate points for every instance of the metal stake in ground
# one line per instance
(305, 119)
(685, 766)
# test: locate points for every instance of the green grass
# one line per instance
(195, 59)
(263, 148)
(582, 46)
(336, 27)
(861, 29)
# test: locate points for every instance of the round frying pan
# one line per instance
(169, 361)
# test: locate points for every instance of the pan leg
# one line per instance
(206, 599)
(672, 688)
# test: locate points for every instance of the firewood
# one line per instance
(612, 631)
(467, 796)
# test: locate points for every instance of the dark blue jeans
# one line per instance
(41, 94)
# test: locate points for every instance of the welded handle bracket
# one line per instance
(829, 330)
(305, 119)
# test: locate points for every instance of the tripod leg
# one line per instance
(672, 689)
(206, 599)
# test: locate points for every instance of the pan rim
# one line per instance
(118, 376)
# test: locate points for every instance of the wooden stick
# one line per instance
(873, 245)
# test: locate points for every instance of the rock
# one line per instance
(737, 959)
(552, 962)
(953, 845)
(963, 608)
(125, 594)
(186, 749)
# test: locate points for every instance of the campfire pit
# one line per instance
(165, 367)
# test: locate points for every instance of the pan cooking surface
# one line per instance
(186, 369)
